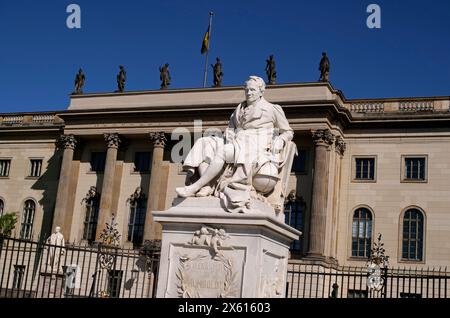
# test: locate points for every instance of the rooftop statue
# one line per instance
(79, 82)
(121, 78)
(246, 163)
(218, 74)
(324, 68)
(270, 70)
(164, 76)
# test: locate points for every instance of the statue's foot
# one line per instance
(185, 192)
(204, 192)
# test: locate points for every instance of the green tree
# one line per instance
(7, 223)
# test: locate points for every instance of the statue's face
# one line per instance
(252, 92)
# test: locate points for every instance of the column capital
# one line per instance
(67, 142)
(112, 140)
(322, 137)
(159, 139)
(340, 145)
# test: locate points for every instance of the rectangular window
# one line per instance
(114, 282)
(35, 167)
(414, 168)
(410, 295)
(300, 162)
(142, 161)
(19, 271)
(98, 160)
(293, 214)
(364, 169)
(4, 167)
(357, 293)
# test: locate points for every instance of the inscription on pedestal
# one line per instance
(196, 272)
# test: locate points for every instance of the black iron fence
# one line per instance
(37, 269)
(317, 281)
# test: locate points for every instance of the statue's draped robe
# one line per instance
(250, 136)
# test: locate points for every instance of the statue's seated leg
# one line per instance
(204, 146)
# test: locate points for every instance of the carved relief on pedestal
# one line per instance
(273, 276)
(200, 276)
(201, 270)
(210, 237)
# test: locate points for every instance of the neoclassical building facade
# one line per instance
(363, 167)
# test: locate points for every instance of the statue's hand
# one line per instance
(223, 184)
(278, 145)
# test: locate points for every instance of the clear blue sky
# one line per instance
(39, 55)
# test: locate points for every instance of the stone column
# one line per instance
(152, 230)
(112, 142)
(323, 139)
(68, 142)
(340, 147)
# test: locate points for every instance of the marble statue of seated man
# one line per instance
(248, 159)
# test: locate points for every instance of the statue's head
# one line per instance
(324, 54)
(254, 88)
(57, 229)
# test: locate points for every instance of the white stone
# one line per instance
(207, 252)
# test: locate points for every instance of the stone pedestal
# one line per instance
(51, 285)
(208, 252)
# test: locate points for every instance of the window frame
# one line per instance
(403, 178)
(307, 150)
(9, 167)
(30, 167)
(375, 164)
(138, 203)
(370, 210)
(87, 228)
(2, 206)
(302, 206)
(91, 171)
(400, 236)
(133, 166)
(114, 285)
(23, 219)
(18, 276)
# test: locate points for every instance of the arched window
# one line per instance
(2, 207)
(293, 213)
(29, 209)
(412, 243)
(92, 202)
(361, 233)
(136, 218)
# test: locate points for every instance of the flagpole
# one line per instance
(207, 50)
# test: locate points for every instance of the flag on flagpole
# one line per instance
(205, 43)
